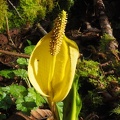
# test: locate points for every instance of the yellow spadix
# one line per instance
(53, 62)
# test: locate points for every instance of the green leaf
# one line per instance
(22, 61)
(5, 89)
(7, 73)
(29, 42)
(21, 73)
(26, 99)
(5, 101)
(37, 97)
(116, 110)
(107, 37)
(60, 109)
(19, 104)
(31, 100)
(28, 50)
(18, 91)
(104, 42)
(72, 103)
(25, 104)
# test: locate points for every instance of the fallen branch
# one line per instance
(111, 44)
(14, 54)
(104, 22)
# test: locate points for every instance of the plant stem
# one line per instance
(54, 110)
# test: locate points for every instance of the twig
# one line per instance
(9, 37)
(41, 29)
(89, 28)
(91, 116)
(15, 9)
(14, 54)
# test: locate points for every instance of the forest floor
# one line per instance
(84, 28)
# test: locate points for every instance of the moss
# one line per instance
(92, 72)
(27, 11)
(14, 20)
(116, 110)
(30, 9)
(50, 4)
(88, 68)
(3, 13)
(104, 42)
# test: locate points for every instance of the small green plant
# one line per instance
(105, 40)
(21, 71)
(24, 99)
(116, 110)
(10, 74)
(5, 100)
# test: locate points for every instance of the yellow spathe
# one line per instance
(53, 62)
(52, 75)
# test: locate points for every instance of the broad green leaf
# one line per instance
(60, 109)
(22, 61)
(28, 50)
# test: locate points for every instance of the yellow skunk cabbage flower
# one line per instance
(53, 61)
